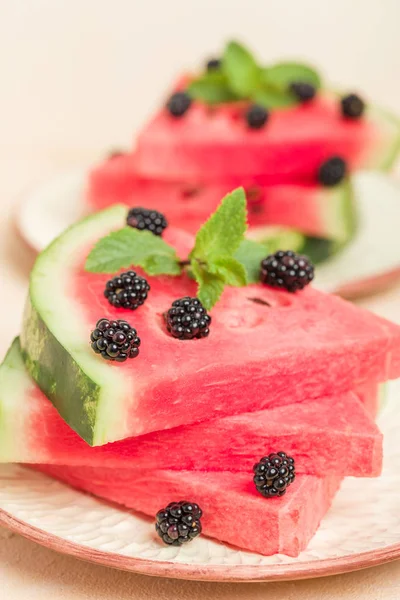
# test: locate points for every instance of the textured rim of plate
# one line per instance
(226, 573)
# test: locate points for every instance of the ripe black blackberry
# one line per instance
(288, 270)
(179, 523)
(178, 104)
(273, 474)
(352, 106)
(303, 91)
(187, 319)
(213, 64)
(147, 219)
(115, 340)
(127, 290)
(332, 171)
(256, 116)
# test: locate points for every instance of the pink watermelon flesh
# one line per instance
(233, 510)
(288, 348)
(214, 145)
(326, 436)
(308, 208)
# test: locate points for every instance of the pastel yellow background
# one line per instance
(79, 75)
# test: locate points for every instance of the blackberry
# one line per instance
(303, 91)
(352, 106)
(179, 522)
(179, 103)
(256, 116)
(146, 218)
(188, 319)
(286, 269)
(127, 290)
(273, 474)
(213, 64)
(115, 340)
(332, 171)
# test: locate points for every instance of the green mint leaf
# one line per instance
(276, 238)
(241, 69)
(274, 98)
(222, 233)
(211, 88)
(161, 264)
(128, 247)
(283, 74)
(210, 285)
(230, 270)
(250, 254)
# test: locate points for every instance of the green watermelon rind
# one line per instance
(337, 209)
(86, 404)
(9, 378)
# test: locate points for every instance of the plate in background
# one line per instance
(370, 262)
(362, 528)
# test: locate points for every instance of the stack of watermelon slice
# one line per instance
(279, 372)
(184, 161)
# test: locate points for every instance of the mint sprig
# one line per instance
(240, 77)
(220, 256)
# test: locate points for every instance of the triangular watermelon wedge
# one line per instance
(281, 350)
(217, 144)
(233, 511)
(325, 436)
(311, 209)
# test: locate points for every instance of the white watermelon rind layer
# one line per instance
(385, 155)
(339, 212)
(85, 402)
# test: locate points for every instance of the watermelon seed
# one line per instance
(190, 191)
(260, 301)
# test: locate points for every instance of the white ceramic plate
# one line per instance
(371, 261)
(361, 529)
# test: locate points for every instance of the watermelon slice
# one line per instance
(283, 347)
(218, 145)
(309, 208)
(326, 436)
(233, 511)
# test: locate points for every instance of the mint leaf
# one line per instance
(241, 69)
(211, 88)
(210, 286)
(222, 233)
(250, 254)
(161, 264)
(230, 270)
(128, 247)
(273, 98)
(283, 74)
(274, 238)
